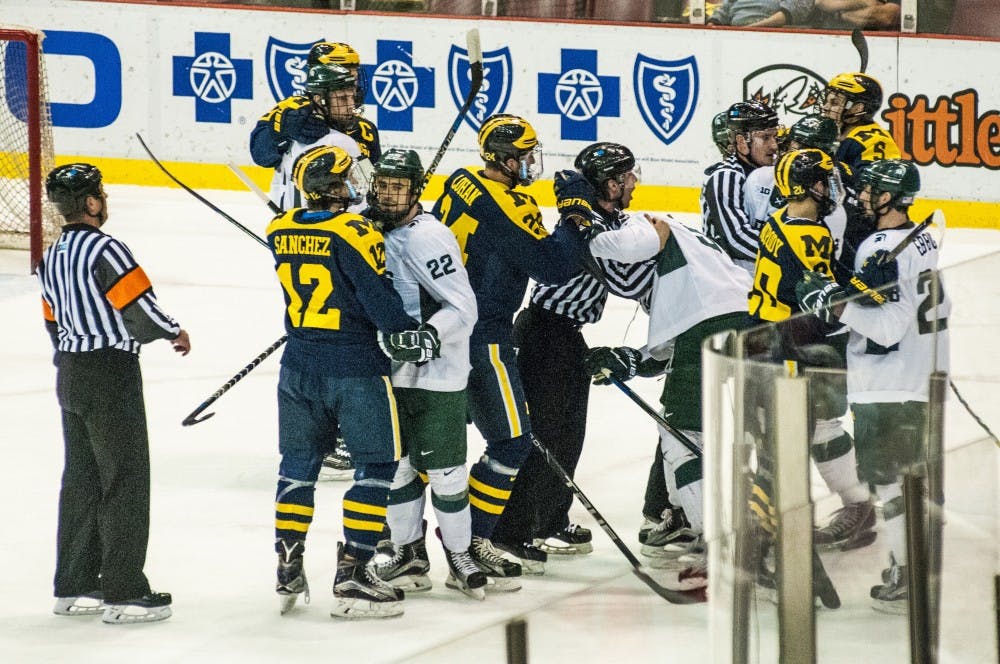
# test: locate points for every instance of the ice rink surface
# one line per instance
(213, 491)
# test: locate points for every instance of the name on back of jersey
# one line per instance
(770, 240)
(466, 189)
(312, 245)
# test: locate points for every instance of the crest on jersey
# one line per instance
(498, 76)
(667, 92)
(792, 91)
(286, 67)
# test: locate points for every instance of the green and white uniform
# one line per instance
(697, 291)
(425, 263)
(893, 350)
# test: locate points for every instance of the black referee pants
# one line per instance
(104, 501)
(556, 386)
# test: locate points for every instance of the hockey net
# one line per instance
(27, 219)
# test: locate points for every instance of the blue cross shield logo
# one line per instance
(579, 94)
(286, 67)
(213, 77)
(494, 94)
(397, 86)
(667, 91)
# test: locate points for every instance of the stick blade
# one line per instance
(474, 47)
(861, 44)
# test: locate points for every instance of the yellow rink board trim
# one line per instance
(959, 214)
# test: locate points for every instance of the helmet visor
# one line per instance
(531, 165)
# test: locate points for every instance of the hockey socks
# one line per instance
(365, 508)
(293, 508)
(490, 484)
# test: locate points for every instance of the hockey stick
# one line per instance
(649, 410)
(193, 417)
(971, 412)
(672, 596)
(861, 44)
(475, 52)
(194, 193)
(252, 186)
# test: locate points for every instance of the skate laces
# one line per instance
(462, 562)
(848, 518)
(396, 559)
(485, 551)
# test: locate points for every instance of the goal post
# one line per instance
(27, 220)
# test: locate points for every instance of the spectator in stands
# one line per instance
(850, 14)
(762, 13)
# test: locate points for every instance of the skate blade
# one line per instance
(79, 606)
(411, 583)
(566, 550)
(335, 475)
(127, 615)
(496, 584)
(893, 607)
(474, 593)
(359, 609)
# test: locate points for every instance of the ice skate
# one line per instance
(87, 604)
(532, 558)
(891, 596)
(850, 528)
(571, 540)
(464, 575)
(337, 465)
(670, 538)
(148, 608)
(291, 575)
(407, 568)
(679, 552)
(359, 592)
(502, 575)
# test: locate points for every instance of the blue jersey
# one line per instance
(332, 271)
(504, 243)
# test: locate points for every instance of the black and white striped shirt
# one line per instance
(94, 294)
(582, 298)
(723, 216)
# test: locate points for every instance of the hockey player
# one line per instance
(753, 133)
(793, 240)
(296, 119)
(331, 267)
(503, 244)
(551, 347)
(696, 292)
(426, 267)
(720, 134)
(852, 100)
(761, 198)
(893, 350)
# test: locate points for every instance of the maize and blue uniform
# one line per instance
(503, 244)
(332, 271)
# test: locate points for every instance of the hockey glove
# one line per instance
(574, 196)
(818, 294)
(604, 363)
(875, 274)
(419, 345)
(300, 124)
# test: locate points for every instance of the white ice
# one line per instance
(213, 489)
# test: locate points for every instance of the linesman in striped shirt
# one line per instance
(753, 134)
(99, 309)
(552, 348)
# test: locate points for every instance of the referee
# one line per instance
(99, 308)
(551, 348)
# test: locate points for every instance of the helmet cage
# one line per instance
(386, 201)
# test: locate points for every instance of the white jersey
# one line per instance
(761, 199)
(284, 193)
(893, 348)
(425, 264)
(695, 280)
